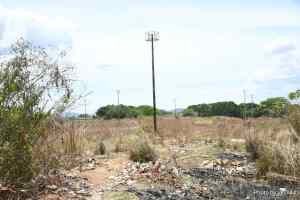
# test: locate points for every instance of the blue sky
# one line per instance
(208, 50)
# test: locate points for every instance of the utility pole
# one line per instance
(85, 114)
(118, 95)
(252, 106)
(152, 36)
(118, 105)
(85, 102)
(175, 112)
(244, 95)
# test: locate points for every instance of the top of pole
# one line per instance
(152, 35)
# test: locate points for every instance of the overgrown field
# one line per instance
(99, 150)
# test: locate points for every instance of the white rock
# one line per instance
(282, 189)
(52, 187)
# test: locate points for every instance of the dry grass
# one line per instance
(270, 141)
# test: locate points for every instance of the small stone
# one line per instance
(52, 187)
(282, 189)
(83, 193)
(130, 182)
(175, 171)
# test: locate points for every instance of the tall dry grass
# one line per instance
(273, 144)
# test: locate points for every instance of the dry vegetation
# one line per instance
(272, 142)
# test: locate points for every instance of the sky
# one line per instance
(208, 51)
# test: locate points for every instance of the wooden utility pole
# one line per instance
(118, 96)
(175, 107)
(152, 36)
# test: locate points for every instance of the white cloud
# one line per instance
(41, 30)
(204, 53)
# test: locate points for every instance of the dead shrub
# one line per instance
(263, 162)
(60, 146)
(274, 151)
(142, 152)
(294, 117)
(120, 145)
(252, 146)
(221, 143)
(100, 149)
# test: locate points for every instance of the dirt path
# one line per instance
(99, 177)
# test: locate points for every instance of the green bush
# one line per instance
(27, 81)
(142, 152)
(189, 113)
(123, 111)
(274, 107)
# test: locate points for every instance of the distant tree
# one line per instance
(117, 112)
(294, 96)
(84, 116)
(249, 109)
(163, 112)
(189, 112)
(226, 108)
(204, 110)
(274, 107)
(145, 110)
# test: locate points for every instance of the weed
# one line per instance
(142, 152)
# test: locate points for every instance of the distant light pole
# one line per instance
(245, 100)
(118, 96)
(175, 111)
(85, 103)
(152, 36)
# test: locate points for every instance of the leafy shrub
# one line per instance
(142, 152)
(27, 83)
(189, 112)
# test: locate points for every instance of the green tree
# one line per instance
(117, 112)
(249, 110)
(204, 110)
(226, 108)
(274, 107)
(145, 110)
(189, 112)
(294, 95)
(33, 86)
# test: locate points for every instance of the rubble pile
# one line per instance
(154, 172)
(65, 184)
(230, 176)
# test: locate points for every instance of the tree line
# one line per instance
(123, 111)
(271, 107)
